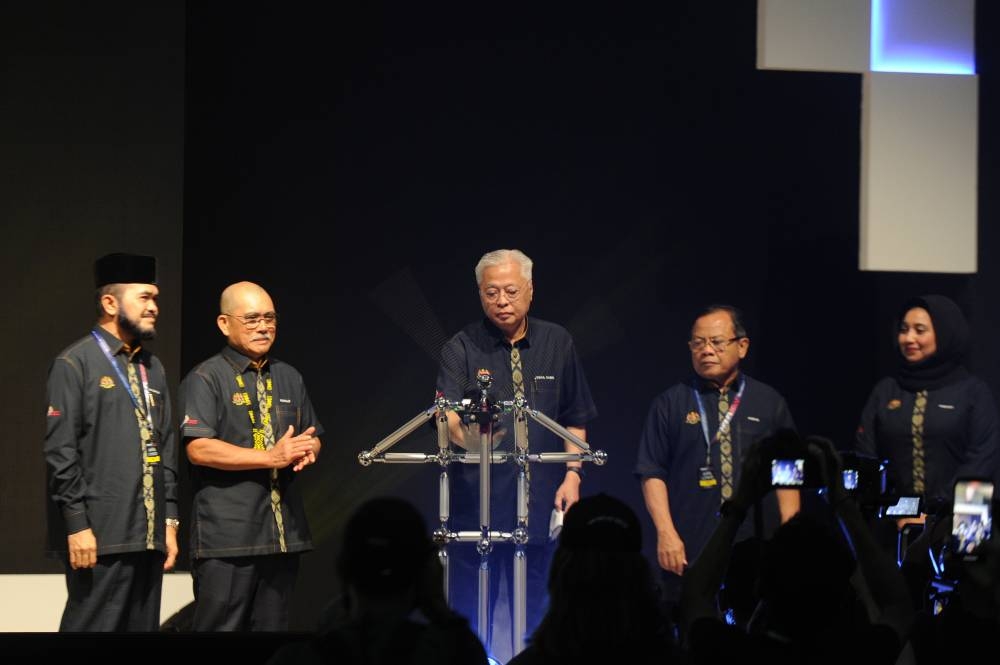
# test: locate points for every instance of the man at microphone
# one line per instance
(529, 358)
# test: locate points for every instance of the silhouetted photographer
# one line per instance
(827, 592)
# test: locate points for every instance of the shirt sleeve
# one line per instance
(578, 404)
(654, 443)
(168, 439)
(864, 438)
(783, 416)
(981, 455)
(453, 377)
(309, 417)
(67, 485)
(199, 406)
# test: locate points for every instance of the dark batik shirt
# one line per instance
(960, 436)
(672, 448)
(231, 510)
(93, 450)
(554, 384)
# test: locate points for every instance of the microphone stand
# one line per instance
(484, 412)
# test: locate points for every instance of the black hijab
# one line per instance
(951, 331)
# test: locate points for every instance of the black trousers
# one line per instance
(250, 593)
(120, 594)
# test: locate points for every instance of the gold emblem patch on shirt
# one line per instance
(893, 404)
(692, 418)
(107, 382)
(238, 399)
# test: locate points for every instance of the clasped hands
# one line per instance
(298, 450)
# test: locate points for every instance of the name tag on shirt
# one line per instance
(544, 382)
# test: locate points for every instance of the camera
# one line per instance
(972, 516)
(786, 459)
(863, 477)
(903, 506)
(850, 477)
(788, 472)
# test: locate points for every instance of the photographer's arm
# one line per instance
(883, 579)
(704, 578)
(702, 581)
(789, 503)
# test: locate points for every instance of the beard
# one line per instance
(131, 327)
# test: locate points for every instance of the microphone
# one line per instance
(484, 378)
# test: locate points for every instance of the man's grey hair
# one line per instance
(501, 256)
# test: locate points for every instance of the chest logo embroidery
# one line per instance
(107, 383)
(692, 418)
(893, 404)
(54, 412)
(238, 399)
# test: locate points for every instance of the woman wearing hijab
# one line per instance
(932, 420)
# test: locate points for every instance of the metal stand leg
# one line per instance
(520, 597)
(485, 412)
(483, 610)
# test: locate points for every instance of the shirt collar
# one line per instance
(116, 345)
(500, 339)
(242, 363)
(705, 386)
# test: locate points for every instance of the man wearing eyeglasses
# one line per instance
(530, 358)
(691, 448)
(249, 429)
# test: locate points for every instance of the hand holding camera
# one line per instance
(789, 463)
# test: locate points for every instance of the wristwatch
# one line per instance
(174, 522)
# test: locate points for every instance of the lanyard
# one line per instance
(265, 410)
(124, 381)
(724, 423)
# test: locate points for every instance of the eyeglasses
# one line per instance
(698, 343)
(492, 294)
(253, 321)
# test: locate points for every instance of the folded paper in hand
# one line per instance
(555, 523)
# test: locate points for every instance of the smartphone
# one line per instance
(905, 506)
(972, 515)
(850, 479)
(788, 472)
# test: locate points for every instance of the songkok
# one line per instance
(124, 269)
(601, 522)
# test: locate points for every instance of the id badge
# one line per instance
(706, 479)
(150, 452)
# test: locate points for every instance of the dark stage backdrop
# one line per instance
(357, 161)
(91, 162)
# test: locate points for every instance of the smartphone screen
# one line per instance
(787, 472)
(972, 519)
(905, 506)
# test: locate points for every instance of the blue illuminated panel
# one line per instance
(923, 36)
